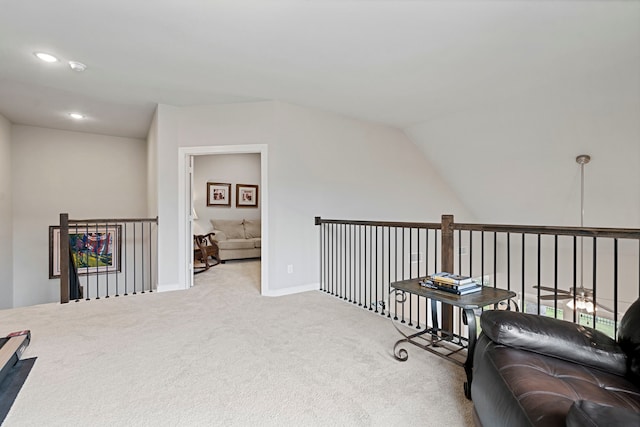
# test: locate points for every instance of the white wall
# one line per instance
(152, 171)
(85, 175)
(6, 217)
(514, 162)
(224, 168)
(320, 164)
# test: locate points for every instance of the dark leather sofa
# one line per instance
(532, 370)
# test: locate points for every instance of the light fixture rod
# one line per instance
(582, 160)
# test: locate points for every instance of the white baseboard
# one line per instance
(170, 287)
(292, 290)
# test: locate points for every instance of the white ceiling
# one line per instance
(400, 63)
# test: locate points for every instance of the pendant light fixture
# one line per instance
(581, 303)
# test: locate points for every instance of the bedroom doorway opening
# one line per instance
(196, 211)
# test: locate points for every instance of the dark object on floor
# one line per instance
(205, 247)
(538, 371)
(13, 371)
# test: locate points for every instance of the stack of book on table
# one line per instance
(449, 282)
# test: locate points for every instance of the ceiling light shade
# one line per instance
(77, 116)
(46, 57)
(77, 66)
(581, 305)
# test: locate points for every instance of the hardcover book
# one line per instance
(466, 289)
(454, 279)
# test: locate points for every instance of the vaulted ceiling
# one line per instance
(395, 62)
(407, 64)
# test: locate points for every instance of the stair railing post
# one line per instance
(64, 258)
(447, 265)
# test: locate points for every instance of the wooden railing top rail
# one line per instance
(621, 233)
(430, 225)
(111, 220)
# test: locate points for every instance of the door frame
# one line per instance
(184, 205)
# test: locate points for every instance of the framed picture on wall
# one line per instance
(218, 194)
(95, 249)
(246, 196)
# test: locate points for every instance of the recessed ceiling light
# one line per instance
(77, 116)
(46, 57)
(77, 66)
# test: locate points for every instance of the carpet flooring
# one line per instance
(221, 354)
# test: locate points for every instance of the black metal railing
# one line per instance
(546, 266)
(106, 257)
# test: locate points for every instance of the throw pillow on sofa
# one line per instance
(232, 228)
(252, 228)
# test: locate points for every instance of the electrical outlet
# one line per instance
(464, 250)
(290, 268)
(416, 257)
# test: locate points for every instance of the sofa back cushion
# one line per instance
(629, 340)
(232, 228)
(555, 338)
(252, 228)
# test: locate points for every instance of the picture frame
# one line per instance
(246, 196)
(96, 249)
(218, 194)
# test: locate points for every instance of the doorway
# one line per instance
(186, 155)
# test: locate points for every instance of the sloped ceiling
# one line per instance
(506, 85)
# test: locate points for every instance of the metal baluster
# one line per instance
(339, 260)
(126, 260)
(395, 312)
(95, 249)
(356, 266)
(418, 299)
(382, 276)
(410, 276)
(351, 262)
(482, 257)
(389, 274)
(362, 258)
(495, 260)
(523, 268)
(615, 288)
(325, 259)
(334, 260)
(150, 259)
(119, 255)
(509, 261)
(142, 254)
(86, 254)
(538, 273)
(555, 274)
(135, 276)
(459, 251)
(108, 237)
(370, 267)
(595, 265)
(375, 301)
(77, 253)
(575, 276)
(344, 264)
(403, 266)
(435, 250)
(471, 253)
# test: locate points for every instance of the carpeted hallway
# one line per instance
(220, 354)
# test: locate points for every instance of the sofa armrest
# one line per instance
(554, 337)
(218, 235)
(585, 413)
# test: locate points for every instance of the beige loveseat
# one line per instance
(237, 238)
